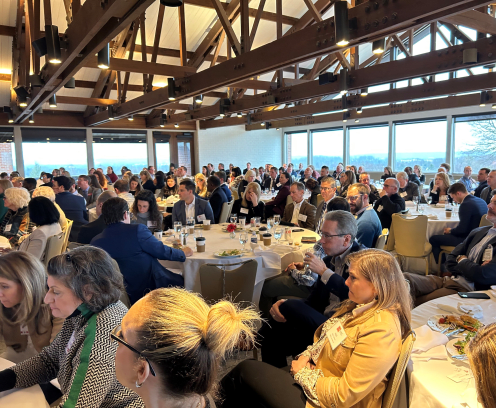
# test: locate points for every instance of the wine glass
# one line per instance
(277, 234)
(234, 218)
(277, 219)
(177, 226)
(243, 239)
(429, 200)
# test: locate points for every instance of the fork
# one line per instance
(452, 326)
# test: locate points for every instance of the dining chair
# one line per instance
(67, 233)
(381, 240)
(289, 200)
(484, 222)
(235, 195)
(319, 199)
(398, 371)
(407, 238)
(54, 247)
(226, 211)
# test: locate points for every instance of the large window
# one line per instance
(46, 149)
(422, 143)
(369, 147)
(7, 150)
(162, 151)
(184, 152)
(475, 142)
(120, 148)
(327, 148)
(297, 145)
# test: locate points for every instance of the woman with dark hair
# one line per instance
(236, 178)
(346, 178)
(205, 171)
(101, 179)
(84, 289)
(135, 185)
(313, 186)
(159, 181)
(172, 168)
(111, 175)
(94, 181)
(170, 188)
(145, 211)
(146, 181)
(46, 217)
(277, 205)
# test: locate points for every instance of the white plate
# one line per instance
(434, 324)
(453, 352)
(217, 254)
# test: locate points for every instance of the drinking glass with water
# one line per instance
(277, 219)
(177, 226)
(277, 234)
(243, 239)
(234, 218)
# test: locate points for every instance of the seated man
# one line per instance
(89, 193)
(299, 213)
(91, 230)
(364, 178)
(472, 264)
(307, 175)
(137, 251)
(121, 188)
(324, 172)
(191, 205)
(221, 174)
(73, 206)
(408, 189)
(368, 223)
(295, 321)
(272, 181)
(490, 190)
(390, 202)
(470, 213)
(217, 196)
(328, 192)
(30, 185)
(47, 180)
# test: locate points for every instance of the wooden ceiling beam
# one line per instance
(483, 23)
(182, 36)
(156, 42)
(143, 50)
(256, 22)
(127, 74)
(7, 31)
(76, 100)
(226, 24)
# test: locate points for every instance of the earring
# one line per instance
(138, 385)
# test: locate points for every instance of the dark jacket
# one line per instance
(313, 197)
(15, 224)
(487, 194)
(306, 209)
(267, 182)
(250, 211)
(216, 200)
(202, 207)
(374, 194)
(387, 206)
(227, 192)
(90, 196)
(482, 276)
(413, 178)
(410, 190)
(279, 202)
(74, 208)
(471, 211)
(91, 230)
(137, 252)
(479, 188)
(149, 185)
(242, 186)
(435, 197)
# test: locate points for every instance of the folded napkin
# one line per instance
(472, 310)
(435, 353)
(427, 339)
(432, 217)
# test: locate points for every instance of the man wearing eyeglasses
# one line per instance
(368, 223)
(373, 193)
(328, 192)
(390, 202)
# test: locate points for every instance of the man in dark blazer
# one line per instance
(191, 205)
(137, 251)
(472, 264)
(482, 179)
(293, 322)
(408, 189)
(217, 196)
(221, 174)
(272, 182)
(328, 192)
(488, 192)
(91, 230)
(390, 202)
(47, 180)
(470, 213)
(300, 212)
(73, 206)
(90, 194)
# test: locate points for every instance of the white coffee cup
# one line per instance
(158, 235)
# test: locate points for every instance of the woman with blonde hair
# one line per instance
(50, 194)
(146, 181)
(481, 352)
(16, 222)
(17, 181)
(250, 205)
(250, 177)
(101, 179)
(388, 172)
(4, 185)
(201, 185)
(417, 169)
(338, 371)
(22, 312)
(171, 343)
(439, 192)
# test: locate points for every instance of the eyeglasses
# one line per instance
(114, 336)
(353, 198)
(389, 185)
(325, 189)
(328, 236)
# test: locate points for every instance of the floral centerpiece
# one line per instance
(231, 228)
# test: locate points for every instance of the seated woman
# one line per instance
(111, 175)
(17, 181)
(145, 211)
(146, 181)
(46, 217)
(171, 343)
(249, 205)
(250, 177)
(102, 180)
(388, 172)
(439, 192)
(346, 178)
(418, 172)
(135, 185)
(23, 314)
(4, 185)
(50, 194)
(159, 182)
(313, 186)
(169, 189)
(338, 371)
(236, 178)
(84, 289)
(201, 185)
(481, 352)
(205, 171)
(277, 205)
(16, 222)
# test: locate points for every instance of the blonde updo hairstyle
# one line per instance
(198, 334)
(18, 196)
(255, 187)
(44, 191)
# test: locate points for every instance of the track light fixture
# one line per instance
(346, 115)
(262, 124)
(171, 3)
(239, 114)
(172, 88)
(364, 91)
(176, 125)
(8, 110)
(199, 99)
(341, 23)
(22, 95)
(31, 119)
(111, 112)
(357, 120)
(326, 78)
(268, 125)
(70, 84)
(36, 81)
(104, 57)
(344, 81)
(163, 120)
(40, 46)
(54, 55)
(344, 103)
(224, 106)
(52, 102)
(493, 106)
(130, 118)
(359, 110)
(11, 117)
(484, 97)
(379, 46)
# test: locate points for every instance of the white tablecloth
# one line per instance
(270, 259)
(31, 397)
(429, 385)
(436, 226)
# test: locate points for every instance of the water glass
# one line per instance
(258, 221)
(242, 222)
(429, 200)
(233, 218)
(277, 219)
(277, 234)
(420, 208)
(243, 239)
(270, 223)
(177, 226)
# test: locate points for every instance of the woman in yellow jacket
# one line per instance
(26, 323)
(340, 369)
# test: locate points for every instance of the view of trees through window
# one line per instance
(327, 148)
(297, 148)
(369, 147)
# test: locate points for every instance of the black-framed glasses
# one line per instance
(114, 336)
(327, 236)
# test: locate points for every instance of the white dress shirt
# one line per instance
(296, 212)
(190, 209)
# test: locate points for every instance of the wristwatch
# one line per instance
(458, 258)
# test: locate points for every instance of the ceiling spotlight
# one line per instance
(8, 110)
(31, 119)
(359, 110)
(36, 81)
(262, 124)
(104, 57)
(171, 3)
(341, 23)
(364, 91)
(344, 103)
(53, 44)
(278, 128)
(344, 80)
(483, 98)
(199, 99)
(40, 46)
(22, 95)
(52, 102)
(70, 84)
(239, 115)
(130, 118)
(357, 120)
(346, 115)
(163, 120)
(224, 106)
(176, 125)
(326, 78)
(111, 112)
(172, 88)
(494, 106)
(378, 46)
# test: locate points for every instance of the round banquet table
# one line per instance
(430, 386)
(31, 397)
(271, 260)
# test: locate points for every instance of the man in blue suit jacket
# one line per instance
(137, 251)
(217, 196)
(225, 188)
(470, 213)
(74, 206)
(191, 206)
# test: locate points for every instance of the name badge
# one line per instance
(443, 198)
(243, 210)
(71, 342)
(278, 185)
(403, 194)
(488, 254)
(379, 209)
(151, 224)
(24, 330)
(302, 217)
(201, 217)
(336, 335)
(7, 228)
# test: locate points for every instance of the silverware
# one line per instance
(461, 357)
(454, 332)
